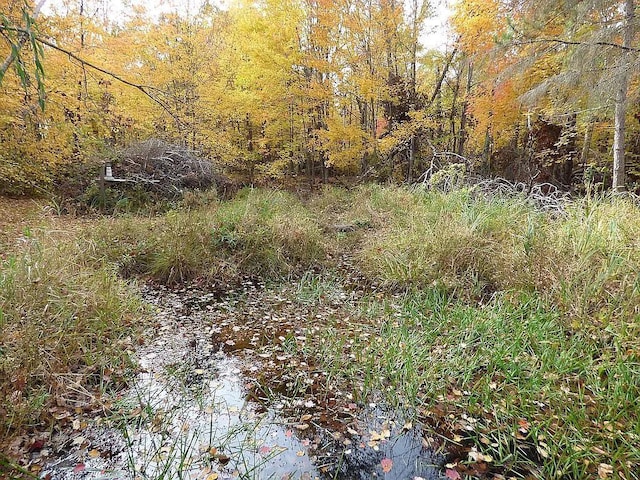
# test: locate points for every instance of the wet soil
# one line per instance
(215, 397)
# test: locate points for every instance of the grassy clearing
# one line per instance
(510, 330)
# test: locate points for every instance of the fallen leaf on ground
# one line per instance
(476, 456)
(543, 453)
(78, 468)
(36, 445)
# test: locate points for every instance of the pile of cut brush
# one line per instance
(165, 168)
(542, 196)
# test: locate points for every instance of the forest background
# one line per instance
(531, 91)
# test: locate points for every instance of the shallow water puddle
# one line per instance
(187, 417)
(204, 426)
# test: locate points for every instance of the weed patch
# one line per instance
(64, 331)
(585, 262)
(268, 234)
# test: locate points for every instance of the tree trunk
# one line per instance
(463, 112)
(453, 134)
(412, 154)
(570, 151)
(584, 156)
(621, 100)
(486, 150)
(325, 171)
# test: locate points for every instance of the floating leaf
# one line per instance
(78, 468)
(452, 474)
(264, 450)
(387, 465)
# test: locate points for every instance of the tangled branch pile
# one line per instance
(544, 196)
(165, 168)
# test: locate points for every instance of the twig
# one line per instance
(570, 42)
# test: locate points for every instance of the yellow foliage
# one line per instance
(477, 23)
(344, 144)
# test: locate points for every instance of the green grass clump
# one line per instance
(446, 239)
(589, 260)
(63, 326)
(264, 233)
(585, 261)
(268, 233)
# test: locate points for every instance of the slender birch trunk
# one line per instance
(621, 101)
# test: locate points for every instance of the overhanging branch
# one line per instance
(23, 39)
(145, 89)
(570, 42)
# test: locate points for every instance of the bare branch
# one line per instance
(570, 42)
(445, 70)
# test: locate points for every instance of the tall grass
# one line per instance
(263, 233)
(64, 328)
(586, 261)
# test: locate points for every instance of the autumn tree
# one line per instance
(567, 62)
